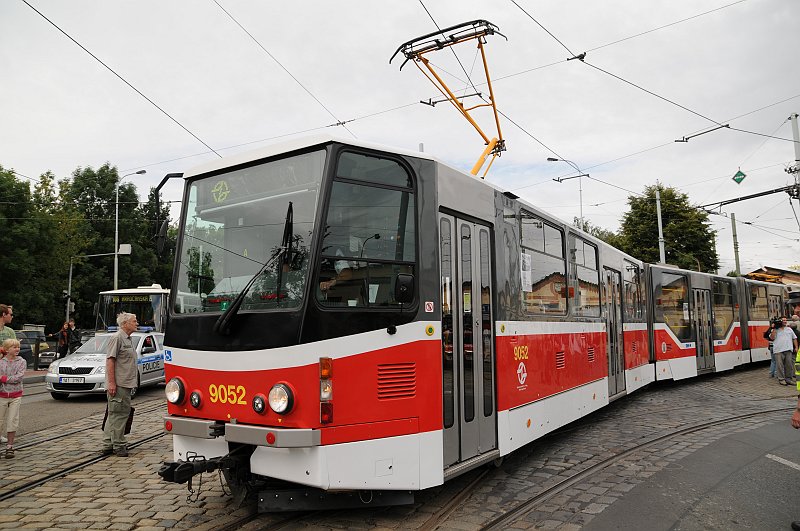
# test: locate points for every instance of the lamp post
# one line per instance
(116, 226)
(580, 182)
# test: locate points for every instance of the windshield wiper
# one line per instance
(223, 324)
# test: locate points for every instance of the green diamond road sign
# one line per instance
(739, 177)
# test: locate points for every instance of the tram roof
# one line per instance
(294, 145)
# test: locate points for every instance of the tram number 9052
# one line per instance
(227, 394)
(520, 352)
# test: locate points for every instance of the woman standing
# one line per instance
(12, 371)
(63, 340)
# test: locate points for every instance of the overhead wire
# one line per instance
(139, 92)
(339, 122)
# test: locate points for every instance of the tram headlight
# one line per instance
(259, 403)
(175, 391)
(281, 398)
(195, 399)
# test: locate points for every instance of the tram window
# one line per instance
(583, 261)
(633, 305)
(542, 266)
(448, 374)
(759, 309)
(235, 222)
(723, 308)
(370, 233)
(672, 305)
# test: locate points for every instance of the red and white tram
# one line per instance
(347, 317)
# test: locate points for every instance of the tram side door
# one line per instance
(703, 320)
(615, 349)
(468, 357)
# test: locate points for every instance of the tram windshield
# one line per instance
(238, 221)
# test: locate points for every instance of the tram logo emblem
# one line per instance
(522, 373)
(220, 191)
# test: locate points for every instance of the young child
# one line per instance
(12, 371)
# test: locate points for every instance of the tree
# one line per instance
(610, 237)
(688, 237)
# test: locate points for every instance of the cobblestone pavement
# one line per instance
(120, 493)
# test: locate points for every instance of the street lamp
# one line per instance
(116, 226)
(580, 181)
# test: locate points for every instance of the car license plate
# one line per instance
(68, 379)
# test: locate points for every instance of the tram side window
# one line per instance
(723, 308)
(632, 280)
(370, 233)
(672, 305)
(583, 260)
(759, 308)
(542, 266)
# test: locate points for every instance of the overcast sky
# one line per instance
(235, 75)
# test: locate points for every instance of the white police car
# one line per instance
(84, 371)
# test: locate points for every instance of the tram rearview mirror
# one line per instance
(404, 288)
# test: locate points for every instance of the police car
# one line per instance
(84, 371)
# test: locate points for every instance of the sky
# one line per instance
(165, 86)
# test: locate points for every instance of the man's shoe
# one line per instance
(796, 525)
(9, 453)
(106, 451)
(3, 440)
(121, 452)
(782, 382)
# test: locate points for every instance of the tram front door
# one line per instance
(615, 350)
(468, 364)
(703, 324)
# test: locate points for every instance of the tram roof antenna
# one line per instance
(415, 50)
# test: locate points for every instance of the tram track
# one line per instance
(519, 511)
(75, 466)
(148, 408)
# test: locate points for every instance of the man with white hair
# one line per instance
(121, 375)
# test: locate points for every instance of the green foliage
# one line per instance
(44, 229)
(688, 238)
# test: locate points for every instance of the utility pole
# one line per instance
(735, 244)
(795, 170)
(661, 254)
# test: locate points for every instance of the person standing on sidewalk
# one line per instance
(6, 332)
(12, 372)
(6, 314)
(784, 343)
(121, 375)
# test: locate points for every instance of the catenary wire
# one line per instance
(339, 122)
(139, 92)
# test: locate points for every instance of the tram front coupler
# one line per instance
(183, 471)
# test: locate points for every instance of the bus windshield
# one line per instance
(148, 308)
(235, 223)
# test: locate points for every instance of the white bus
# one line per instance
(149, 303)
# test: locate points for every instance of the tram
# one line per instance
(348, 318)
(148, 303)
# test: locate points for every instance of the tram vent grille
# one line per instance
(635, 346)
(561, 360)
(397, 380)
(591, 353)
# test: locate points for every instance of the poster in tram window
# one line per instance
(525, 272)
